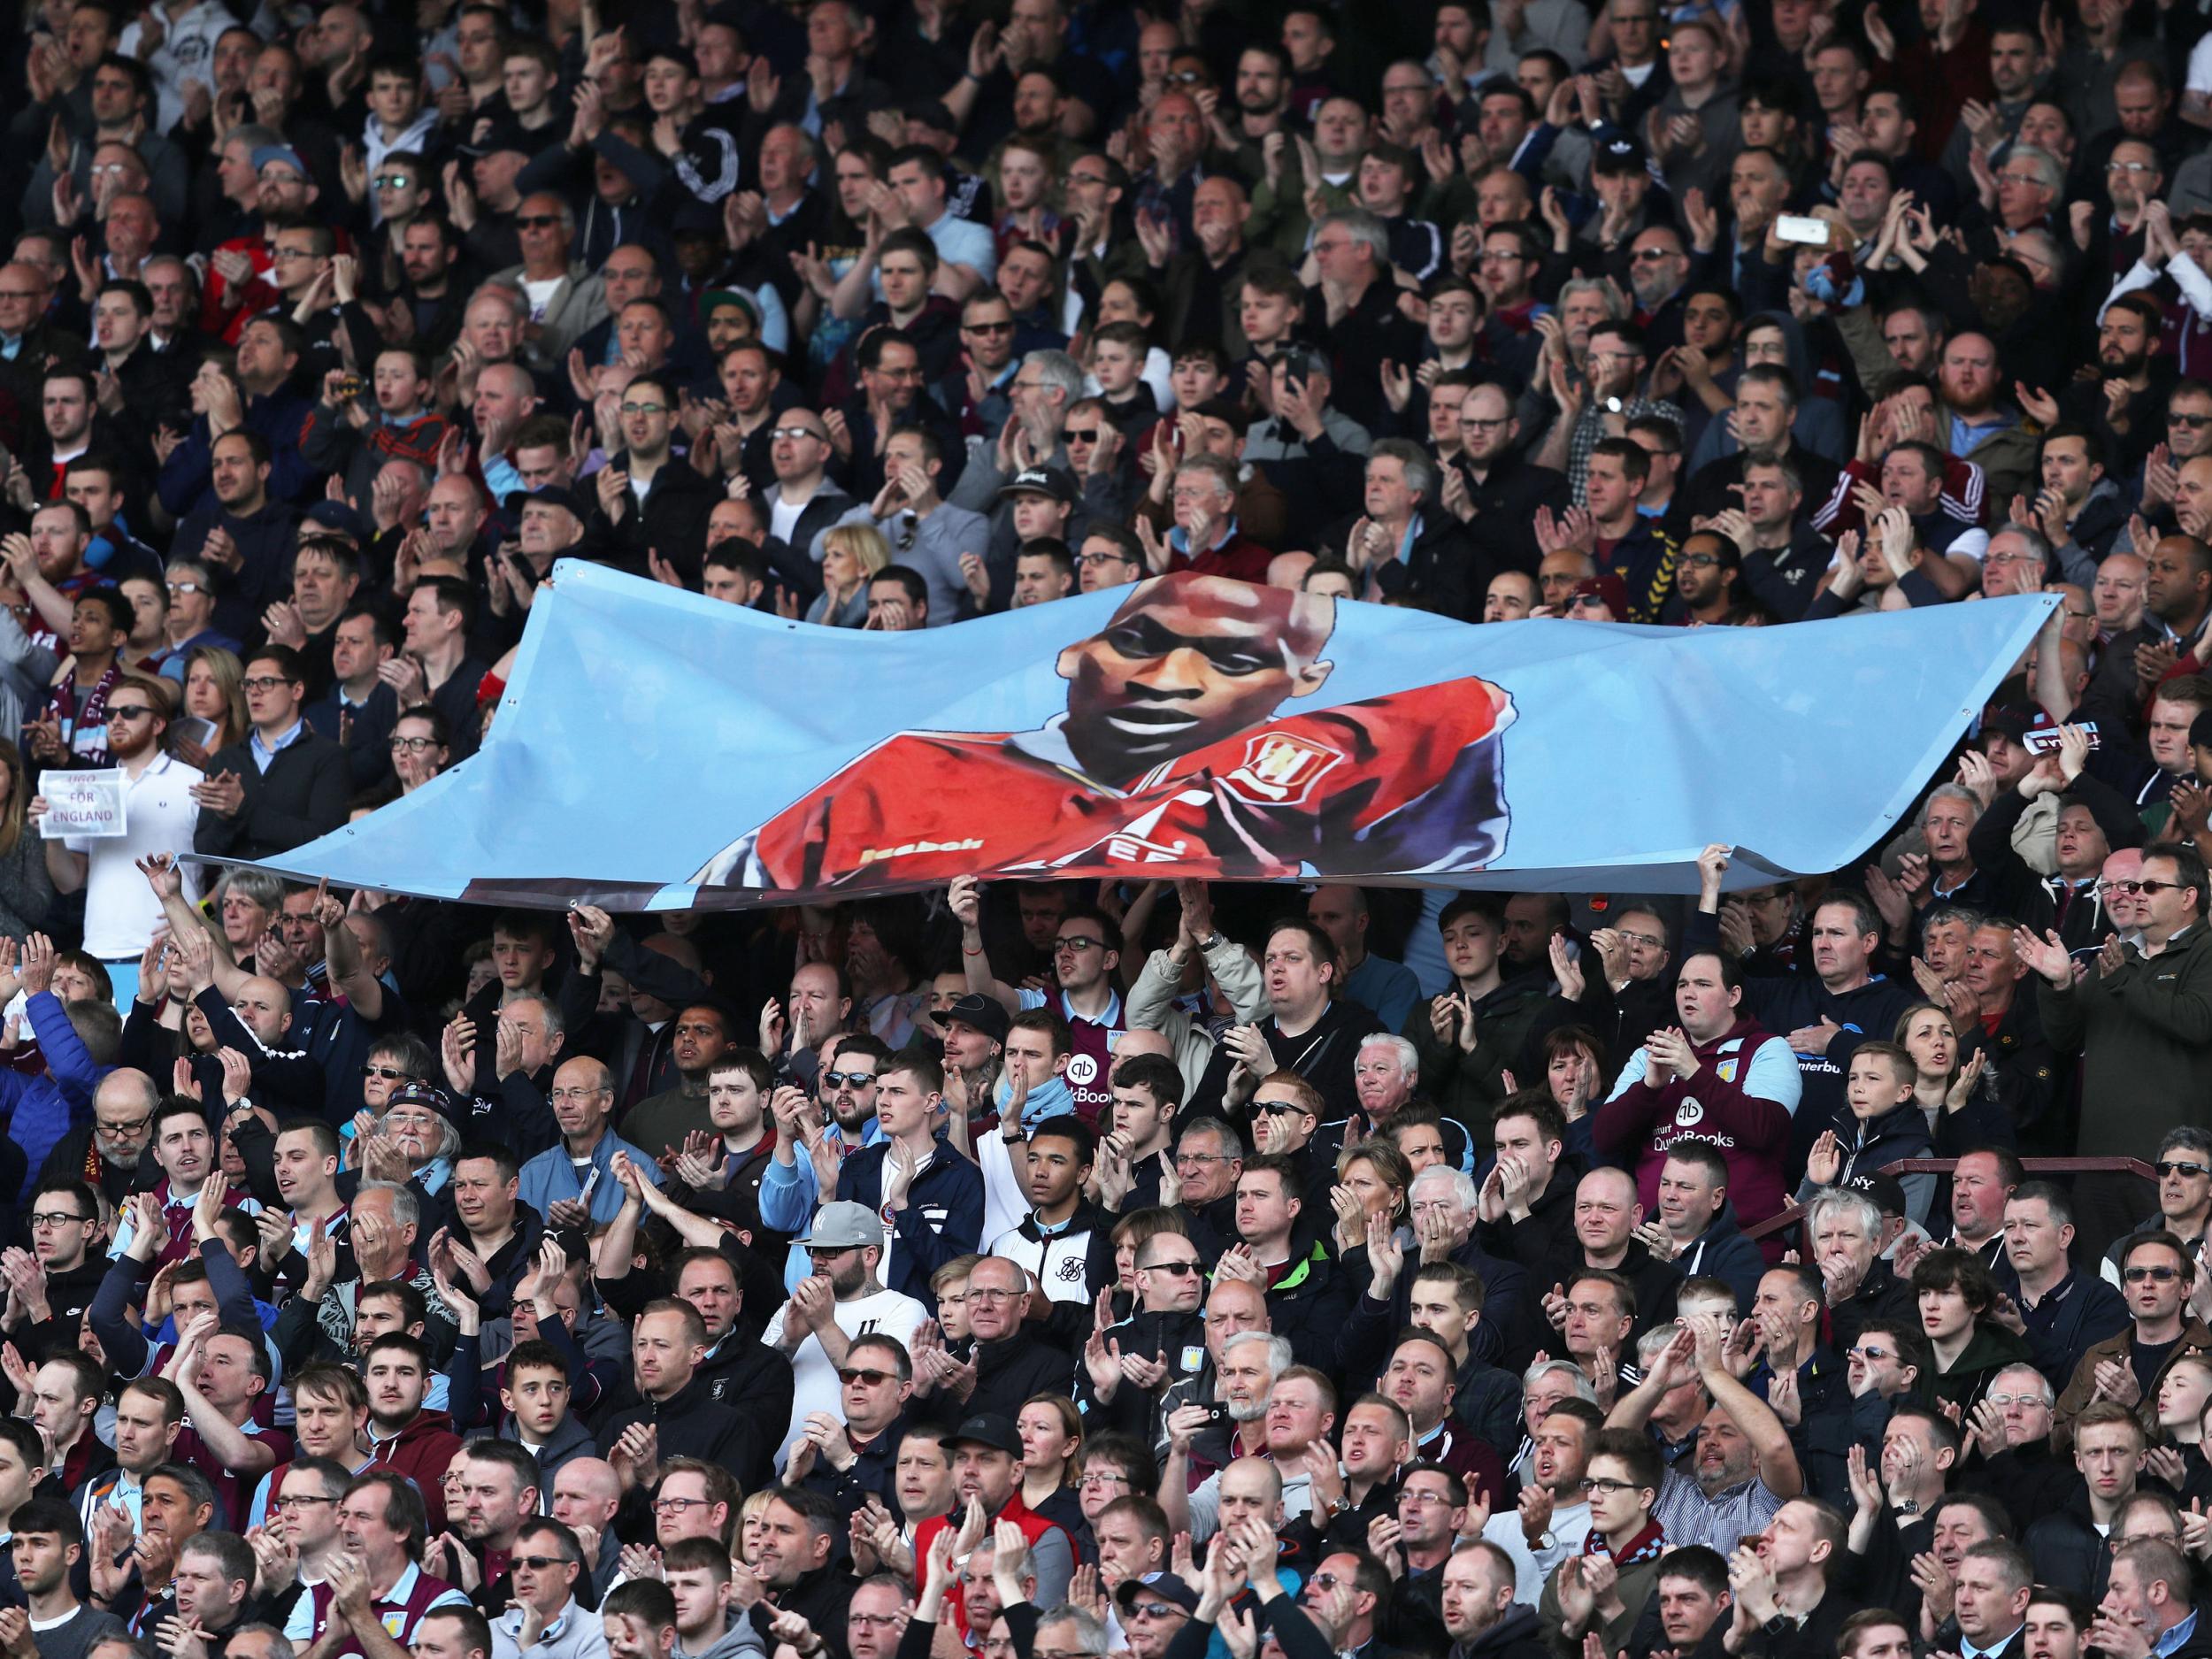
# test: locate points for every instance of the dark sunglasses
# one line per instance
(1182, 1269)
(535, 221)
(848, 1079)
(2175, 1167)
(2161, 1275)
(865, 1375)
(390, 1073)
(537, 1563)
(1082, 434)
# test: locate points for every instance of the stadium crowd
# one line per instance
(1065, 1271)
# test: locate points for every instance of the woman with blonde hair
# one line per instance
(852, 555)
(215, 691)
(1373, 1177)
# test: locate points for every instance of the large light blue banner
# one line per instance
(656, 749)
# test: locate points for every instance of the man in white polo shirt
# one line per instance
(120, 910)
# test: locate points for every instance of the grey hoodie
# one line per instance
(740, 1638)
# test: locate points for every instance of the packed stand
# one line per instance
(1055, 1270)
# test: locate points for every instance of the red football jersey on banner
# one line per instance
(1402, 782)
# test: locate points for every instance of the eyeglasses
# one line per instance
(2177, 1166)
(1181, 1158)
(798, 431)
(2128, 166)
(539, 1563)
(1605, 1487)
(1093, 560)
(297, 1503)
(55, 1218)
(823, 1253)
(987, 328)
(391, 180)
(886, 1620)
(677, 1506)
(174, 587)
(578, 1095)
(1078, 941)
(291, 253)
(2003, 1401)
(1179, 1268)
(129, 710)
(1648, 255)
(264, 682)
(994, 1295)
(2156, 1275)
(1872, 1354)
(390, 1073)
(848, 1079)
(865, 1376)
(645, 409)
(1098, 1480)
(409, 745)
(1701, 561)
(132, 1127)
(535, 221)
(409, 1120)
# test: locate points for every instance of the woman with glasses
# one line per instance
(421, 746)
(851, 554)
(1051, 1435)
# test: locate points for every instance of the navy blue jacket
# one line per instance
(943, 1215)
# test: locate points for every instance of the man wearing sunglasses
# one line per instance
(160, 815)
(2144, 1075)
(2185, 1197)
(2156, 1277)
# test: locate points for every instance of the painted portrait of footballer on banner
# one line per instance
(1196, 734)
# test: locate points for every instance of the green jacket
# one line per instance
(2145, 1036)
(1989, 1349)
(1510, 1025)
(1637, 1585)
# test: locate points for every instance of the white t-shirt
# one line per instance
(814, 1384)
(541, 295)
(120, 910)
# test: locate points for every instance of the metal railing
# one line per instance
(1791, 1214)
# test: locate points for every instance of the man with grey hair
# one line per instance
(1044, 388)
(1244, 1382)
(1443, 1204)
(1205, 536)
(566, 298)
(1843, 1231)
(1405, 544)
(1352, 305)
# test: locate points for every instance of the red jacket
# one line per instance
(1034, 1527)
(420, 1451)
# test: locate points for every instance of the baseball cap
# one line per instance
(845, 1225)
(1167, 1587)
(1887, 1191)
(551, 495)
(339, 518)
(986, 1014)
(1619, 154)
(714, 299)
(1056, 482)
(429, 1097)
(284, 153)
(1608, 587)
(931, 114)
(990, 1428)
(2014, 721)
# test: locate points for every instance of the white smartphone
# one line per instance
(1796, 228)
